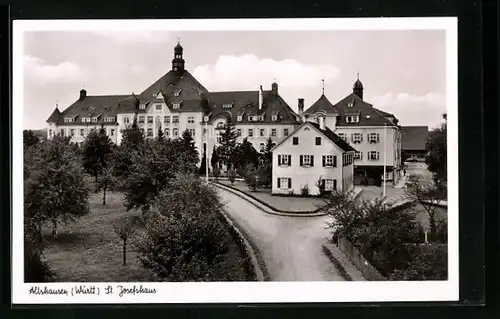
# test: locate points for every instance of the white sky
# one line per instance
(403, 72)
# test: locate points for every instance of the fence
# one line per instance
(368, 271)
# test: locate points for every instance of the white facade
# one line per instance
(325, 161)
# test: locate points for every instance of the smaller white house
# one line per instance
(312, 152)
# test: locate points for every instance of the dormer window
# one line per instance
(352, 119)
(205, 118)
(86, 119)
(177, 92)
(142, 107)
(250, 119)
(255, 118)
(176, 106)
(94, 119)
(158, 95)
(109, 119)
(69, 119)
(261, 118)
(274, 118)
(227, 105)
(350, 104)
(239, 118)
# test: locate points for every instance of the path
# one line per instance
(290, 246)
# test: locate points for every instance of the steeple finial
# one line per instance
(323, 86)
(178, 40)
(57, 104)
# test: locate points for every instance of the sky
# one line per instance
(402, 71)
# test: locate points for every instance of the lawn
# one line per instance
(89, 250)
(280, 203)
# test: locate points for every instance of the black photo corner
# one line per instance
(478, 119)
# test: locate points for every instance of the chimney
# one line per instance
(301, 106)
(83, 95)
(322, 123)
(260, 98)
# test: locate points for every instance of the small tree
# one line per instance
(125, 229)
(133, 136)
(106, 182)
(96, 148)
(252, 178)
(245, 154)
(429, 197)
(228, 144)
(160, 136)
(436, 158)
(320, 184)
(214, 160)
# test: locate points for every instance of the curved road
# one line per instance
(291, 247)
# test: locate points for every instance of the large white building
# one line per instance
(311, 153)
(178, 102)
(364, 127)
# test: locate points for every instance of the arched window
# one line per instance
(126, 120)
(175, 132)
(167, 132)
(220, 125)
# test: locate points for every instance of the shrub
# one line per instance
(426, 262)
(252, 179)
(291, 193)
(231, 175)
(321, 187)
(304, 191)
(185, 238)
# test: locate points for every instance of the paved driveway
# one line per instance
(290, 246)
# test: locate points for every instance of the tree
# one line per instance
(228, 144)
(125, 229)
(106, 182)
(266, 154)
(214, 160)
(133, 136)
(429, 196)
(160, 136)
(30, 138)
(232, 176)
(203, 165)
(96, 149)
(185, 239)
(55, 189)
(436, 158)
(188, 149)
(426, 262)
(245, 155)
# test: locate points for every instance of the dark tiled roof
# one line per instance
(368, 115)
(93, 105)
(321, 105)
(334, 138)
(245, 103)
(54, 117)
(191, 92)
(414, 137)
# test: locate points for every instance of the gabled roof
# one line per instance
(191, 91)
(414, 137)
(328, 133)
(321, 105)
(245, 103)
(54, 117)
(93, 105)
(368, 115)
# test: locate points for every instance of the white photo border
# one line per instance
(242, 292)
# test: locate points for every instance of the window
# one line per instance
(250, 132)
(167, 132)
(357, 138)
(72, 132)
(204, 131)
(330, 184)
(159, 96)
(295, 140)
(192, 131)
(358, 155)
(227, 105)
(273, 132)
(69, 119)
(274, 118)
(239, 118)
(352, 119)
(285, 132)
(112, 132)
(348, 159)
(238, 132)
(373, 155)
(86, 120)
(158, 107)
(205, 118)
(150, 132)
(176, 106)
(306, 160)
(150, 120)
(94, 119)
(261, 118)
(109, 119)
(126, 120)
(318, 140)
(175, 119)
(262, 132)
(373, 138)
(166, 119)
(62, 132)
(342, 136)
(350, 104)
(141, 119)
(142, 107)
(175, 132)
(250, 119)
(329, 161)
(284, 160)
(191, 119)
(177, 92)
(284, 183)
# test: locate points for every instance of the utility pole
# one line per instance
(385, 159)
